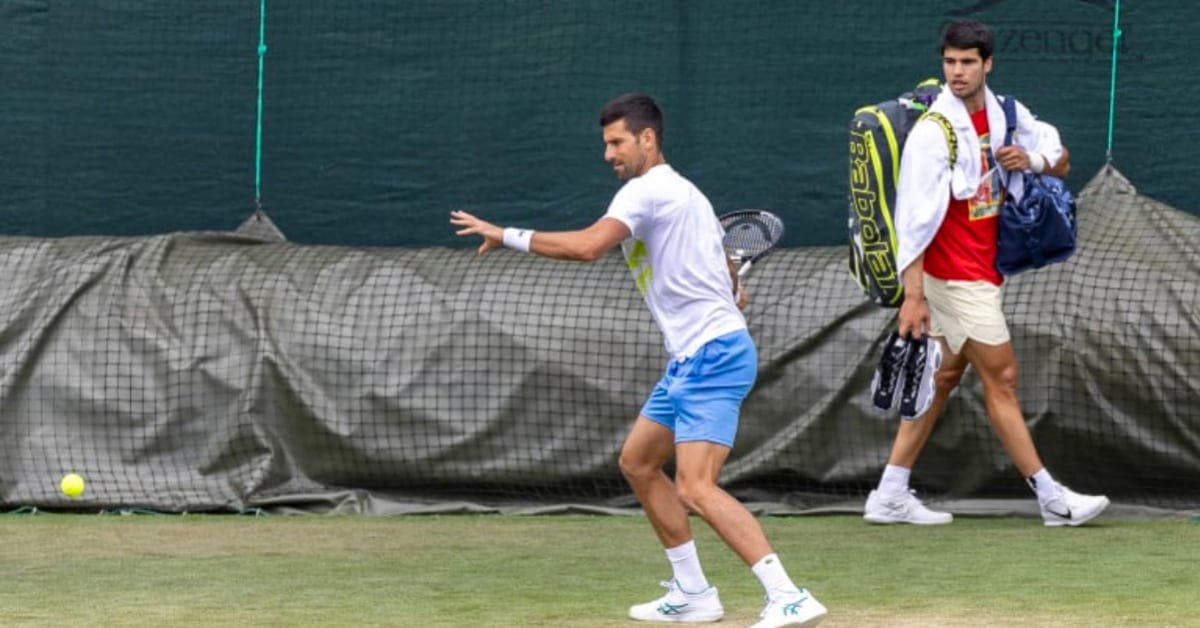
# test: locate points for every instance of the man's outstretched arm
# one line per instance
(583, 245)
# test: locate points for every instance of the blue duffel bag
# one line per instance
(1038, 229)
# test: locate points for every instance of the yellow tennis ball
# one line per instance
(72, 485)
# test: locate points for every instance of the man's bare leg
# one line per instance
(689, 596)
(997, 368)
(697, 467)
(892, 501)
(912, 435)
(647, 448)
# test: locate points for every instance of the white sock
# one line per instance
(894, 480)
(686, 564)
(1044, 485)
(774, 578)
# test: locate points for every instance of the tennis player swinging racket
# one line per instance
(675, 247)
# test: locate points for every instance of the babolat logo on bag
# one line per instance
(877, 135)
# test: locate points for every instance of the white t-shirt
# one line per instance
(677, 260)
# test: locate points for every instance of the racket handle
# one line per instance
(745, 268)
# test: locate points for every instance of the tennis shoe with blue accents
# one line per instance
(798, 609)
(680, 607)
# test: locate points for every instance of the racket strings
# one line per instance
(749, 235)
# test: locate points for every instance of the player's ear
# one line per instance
(648, 138)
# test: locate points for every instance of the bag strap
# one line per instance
(1009, 105)
(948, 131)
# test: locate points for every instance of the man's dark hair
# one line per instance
(967, 34)
(639, 111)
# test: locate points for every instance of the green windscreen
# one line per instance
(379, 117)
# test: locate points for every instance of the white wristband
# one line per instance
(518, 239)
(1037, 163)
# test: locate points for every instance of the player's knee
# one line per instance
(948, 377)
(1006, 378)
(636, 468)
(691, 500)
(1000, 383)
(694, 494)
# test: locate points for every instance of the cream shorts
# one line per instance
(959, 310)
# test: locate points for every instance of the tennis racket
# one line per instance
(749, 235)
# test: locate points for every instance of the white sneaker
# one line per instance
(902, 508)
(1069, 508)
(801, 609)
(677, 606)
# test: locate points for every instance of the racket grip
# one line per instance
(745, 268)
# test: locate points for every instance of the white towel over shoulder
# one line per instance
(925, 184)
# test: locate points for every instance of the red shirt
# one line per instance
(965, 245)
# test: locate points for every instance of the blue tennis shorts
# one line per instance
(700, 397)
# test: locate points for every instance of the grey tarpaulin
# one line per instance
(213, 371)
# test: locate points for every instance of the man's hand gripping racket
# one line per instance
(749, 235)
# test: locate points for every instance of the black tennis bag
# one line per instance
(877, 135)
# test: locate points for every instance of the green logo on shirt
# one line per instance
(638, 263)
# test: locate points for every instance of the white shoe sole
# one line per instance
(886, 520)
(796, 622)
(695, 618)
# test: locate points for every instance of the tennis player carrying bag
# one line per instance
(1039, 228)
(877, 135)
